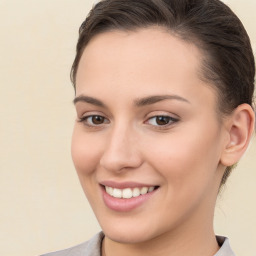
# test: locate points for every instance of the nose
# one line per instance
(121, 151)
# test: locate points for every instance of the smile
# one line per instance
(127, 196)
(127, 193)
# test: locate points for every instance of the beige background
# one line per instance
(42, 207)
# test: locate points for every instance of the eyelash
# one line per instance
(168, 119)
(84, 120)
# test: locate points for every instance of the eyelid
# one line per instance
(162, 113)
(89, 113)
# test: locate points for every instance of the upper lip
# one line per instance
(127, 184)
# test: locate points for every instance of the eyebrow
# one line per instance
(137, 102)
(90, 100)
(156, 98)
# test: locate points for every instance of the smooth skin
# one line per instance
(176, 141)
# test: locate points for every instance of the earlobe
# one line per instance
(240, 128)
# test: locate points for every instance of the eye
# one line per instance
(94, 120)
(161, 120)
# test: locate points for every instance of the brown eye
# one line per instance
(162, 120)
(94, 120)
(97, 119)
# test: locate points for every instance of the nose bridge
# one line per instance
(121, 149)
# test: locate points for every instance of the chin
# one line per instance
(125, 237)
(129, 232)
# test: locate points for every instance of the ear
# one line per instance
(240, 126)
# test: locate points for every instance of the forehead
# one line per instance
(145, 61)
(153, 46)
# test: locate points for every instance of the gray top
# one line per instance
(93, 248)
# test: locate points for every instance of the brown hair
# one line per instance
(228, 58)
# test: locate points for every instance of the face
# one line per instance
(147, 141)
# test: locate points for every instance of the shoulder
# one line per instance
(88, 248)
(225, 249)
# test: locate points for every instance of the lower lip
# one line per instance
(123, 204)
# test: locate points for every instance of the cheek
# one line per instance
(85, 152)
(188, 168)
(187, 160)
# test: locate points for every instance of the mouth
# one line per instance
(128, 193)
(125, 197)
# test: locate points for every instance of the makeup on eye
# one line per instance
(156, 120)
(162, 120)
(93, 120)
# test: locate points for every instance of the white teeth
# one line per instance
(109, 190)
(135, 192)
(128, 192)
(117, 193)
(144, 191)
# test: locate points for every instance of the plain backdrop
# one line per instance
(42, 207)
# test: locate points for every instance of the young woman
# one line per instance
(164, 110)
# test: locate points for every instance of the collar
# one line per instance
(225, 249)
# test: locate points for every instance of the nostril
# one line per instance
(119, 162)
